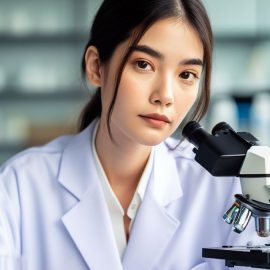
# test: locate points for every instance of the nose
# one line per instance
(163, 93)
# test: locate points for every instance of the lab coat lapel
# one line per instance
(88, 221)
(154, 226)
(89, 226)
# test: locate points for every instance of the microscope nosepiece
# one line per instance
(262, 226)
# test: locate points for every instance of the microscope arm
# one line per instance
(255, 174)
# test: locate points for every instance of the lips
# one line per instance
(156, 116)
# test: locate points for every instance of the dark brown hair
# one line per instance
(118, 20)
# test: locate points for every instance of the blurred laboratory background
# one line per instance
(42, 93)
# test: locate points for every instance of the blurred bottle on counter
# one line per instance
(14, 129)
(2, 79)
(223, 110)
(260, 118)
(244, 105)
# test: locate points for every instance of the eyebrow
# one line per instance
(148, 50)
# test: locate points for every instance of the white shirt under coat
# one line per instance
(115, 209)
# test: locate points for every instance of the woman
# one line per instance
(121, 194)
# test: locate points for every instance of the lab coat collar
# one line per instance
(76, 163)
(154, 225)
(89, 224)
(166, 183)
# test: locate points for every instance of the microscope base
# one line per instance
(252, 256)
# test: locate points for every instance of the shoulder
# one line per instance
(186, 164)
(36, 157)
(179, 149)
(182, 155)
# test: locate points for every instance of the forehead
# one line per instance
(174, 36)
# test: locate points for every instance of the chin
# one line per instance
(151, 137)
(151, 141)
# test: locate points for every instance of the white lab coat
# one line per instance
(53, 211)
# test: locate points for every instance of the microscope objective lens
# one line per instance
(242, 219)
(230, 215)
(262, 226)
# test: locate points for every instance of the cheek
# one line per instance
(191, 99)
(184, 103)
(131, 90)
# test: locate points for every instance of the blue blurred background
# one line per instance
(41, 92)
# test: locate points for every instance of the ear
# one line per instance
(92, 65)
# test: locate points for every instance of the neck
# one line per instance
(123, 160)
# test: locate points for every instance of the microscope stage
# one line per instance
(252, 256)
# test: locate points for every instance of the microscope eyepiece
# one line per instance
(195, 133)
(221, 127)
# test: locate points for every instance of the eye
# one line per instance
(188, 76)
(143, 65)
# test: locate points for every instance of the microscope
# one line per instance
(229, 153)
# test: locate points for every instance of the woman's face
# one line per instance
(159, 84)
